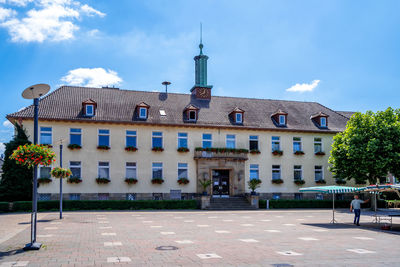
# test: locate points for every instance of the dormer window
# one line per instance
(143, 113)
(237, 115)
(239, 118)
(279, 118)
(192, 115)
(320, 120)
(282, 120)
(89, 108)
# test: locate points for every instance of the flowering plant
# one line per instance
(130, 148)
(183, 149)
(33, 155)
(157, 180)
(277, 152)
(157, 148)
(320, 153)
(102, 147)
(183, 180)
(100, 180)
(320, 182)
(58, 172)
(74, 180)
(299, 182)
(255, 151)
(43, 180)
(299, 152)
(131, 180)
(277, 181)
(74, 146)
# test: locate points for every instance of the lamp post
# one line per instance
(61, 182)
(35, 92)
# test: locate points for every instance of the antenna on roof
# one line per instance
(201, 39)
(166, 86)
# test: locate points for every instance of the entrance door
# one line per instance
(220, 180)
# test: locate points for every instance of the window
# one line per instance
(104, 169)
(319, 174)
(75, 136)
(207, 140)
(322, 121)
(239, 117)
(44, 197)
(319, 196)
(182, 140)
(157, 170)
(298, 196)
(182, 170)
(75, 167)
(253, 142)
(103, 196)
(296, 144)
(130, 170)
(254, 171)
(130, 196)
(276, 195)
(143, 113)
(282, 119)
(157, 139)
(104, 137)
(44, 171)
(297, 172)
(276, 172)
(276, 143)
(45, 136)
(74, 196)
(317, 145)
(230, 141)
(131, 138)
(89, 110)
(192, 115)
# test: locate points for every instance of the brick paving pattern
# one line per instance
(197, 238)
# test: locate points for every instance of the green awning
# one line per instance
(331, 189)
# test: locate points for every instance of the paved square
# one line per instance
(198, 238)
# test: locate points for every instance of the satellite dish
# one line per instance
(36, 91)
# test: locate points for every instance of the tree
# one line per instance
(16, 182)
(369, 148)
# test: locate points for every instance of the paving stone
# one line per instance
(249, 240)
(289, 253)
(208, 256)
(360, 251)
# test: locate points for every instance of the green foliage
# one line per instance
(3, 206)
(16, 182)
(254, 184)
(58, 172)
(369, 148)
(31, 155)
(205, 183)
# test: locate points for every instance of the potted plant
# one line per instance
(33, 155)
(74, 146)
(58, 172)
(102, 147)
(205, 183)
(47, 145)
(74, 180)
(183, 149)
(102, 180)
(131, 180)
(340, 181)
(183, 180)
(320, 181)
(299, 152)
(319, 153)
(131, 148)
(255, 151)
(157, 149)
(277, 152)
(299, 182)
(43, 180)
(277, 181)
(157, 180)
(253, 185)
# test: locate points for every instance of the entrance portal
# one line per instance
(220, 179)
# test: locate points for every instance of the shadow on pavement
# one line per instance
(38, 221)
(364, 226)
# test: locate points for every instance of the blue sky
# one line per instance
(343, 54)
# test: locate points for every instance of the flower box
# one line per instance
(74, 146)
(157, 149)
(74, 180)
(47, 145)
(58, 172)
(100, 180)
(340, 181)
(320, 182)
(131, 148)
(255, 151)
(183, 181)
(299, 182)
(157, 181)
(277, 152)
(277, 181)
(33, 155)
(319, 153)
(44, 180)
(131, 180)
(103, 147)
(183, 149)
(299, 152)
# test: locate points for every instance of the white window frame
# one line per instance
(76, 166)
(276, 169)
(153, 168)
(195, 115)
(322, 119)
(46, 131)
(129, 133)
(230, 138)
(130, 167)
(318, 142)
(254, 167)
(254, 138)
(278, 141)
(297, 169)
(157, 136)
(75, 133)
(103, 167)
(103, 134)
(183, 138)
(322, 172)
(181, 166)
(297, 141)
(87, 113)
(140, 113)
(40, 171)
(239, 118)
(282, 119)
(206, 140)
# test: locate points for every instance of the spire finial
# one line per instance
(201, 39)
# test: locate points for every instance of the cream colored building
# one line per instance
(98, 125)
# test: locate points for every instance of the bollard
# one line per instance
(267, 206)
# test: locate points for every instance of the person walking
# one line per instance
(356, 206)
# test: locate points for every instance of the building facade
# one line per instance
(120, 144)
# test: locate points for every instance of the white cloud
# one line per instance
(17, 2)
(6, 13)
(8, 124)
(95, 77)
(304, 87)
(52, 20)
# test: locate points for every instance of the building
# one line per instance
(117, 134)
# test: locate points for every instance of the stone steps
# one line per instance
(232, 203)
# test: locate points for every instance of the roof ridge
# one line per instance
(334, 111)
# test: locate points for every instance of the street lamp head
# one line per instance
(36, 91)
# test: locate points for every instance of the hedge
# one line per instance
(310, 203)
(3, 206)
(106, 205)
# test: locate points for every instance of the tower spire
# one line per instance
(201, 39)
